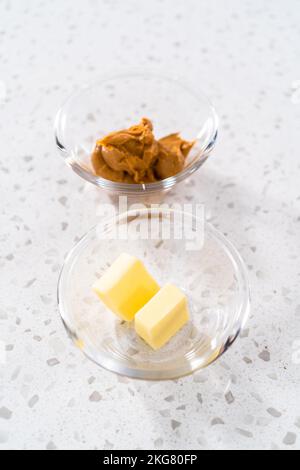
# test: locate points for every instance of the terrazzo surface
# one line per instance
(245, 55)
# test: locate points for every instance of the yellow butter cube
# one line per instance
(162, 316)
(126, 286)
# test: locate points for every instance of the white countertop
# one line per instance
(246, 56)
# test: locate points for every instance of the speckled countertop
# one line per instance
(246, 56)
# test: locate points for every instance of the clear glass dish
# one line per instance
(214, 279)
(120, 101)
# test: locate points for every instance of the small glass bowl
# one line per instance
(213, 278)
(120, 101)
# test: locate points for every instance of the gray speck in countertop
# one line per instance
(170, 398)
(175, 424)
(71, 403)
(234, 379)
(199, 398)
(247, 360)
(51, 446)
(46, 300)
(16, 373)
(37, 338)
(297, 423)
(257, 397)
(52, 362)
(244, 433)
(290, 439)
(245, 333)
(274, 413)
(55, 268)
(30, 283)
(217, 421)
(165, 413)
(95, 397)
(158, 442)
(229, 398)
(181, 407)
(33, 401)
(63, 200)
(260, 275)
(90, 117)
(5, 413)
(108, 445)
(265, 356)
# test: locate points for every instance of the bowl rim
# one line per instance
(127, 188)
(242, 316)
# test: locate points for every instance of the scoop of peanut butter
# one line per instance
(134, 155)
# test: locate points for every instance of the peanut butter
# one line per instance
(134, 155)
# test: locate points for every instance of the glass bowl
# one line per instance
(213, 277)
(120, 101)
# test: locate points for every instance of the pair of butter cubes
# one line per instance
(130, 292)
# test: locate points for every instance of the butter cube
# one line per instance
(126, 286)
(162, 316)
